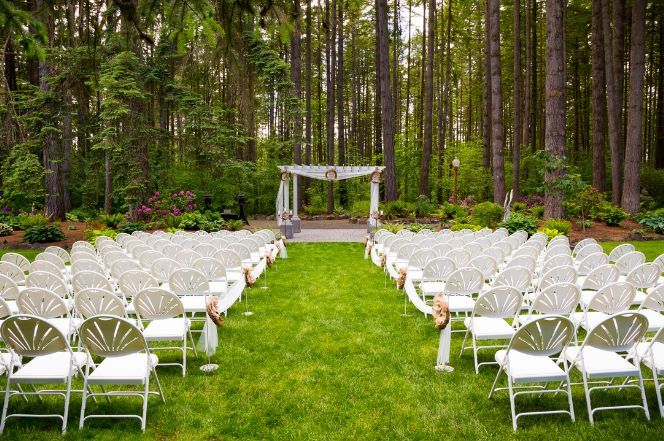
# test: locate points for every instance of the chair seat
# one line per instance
(598, 363)
(655, 319)
(166, 329)
(461, 303)
(432, 288)
(526, 368)
(489, 328)
(193, 303)
(639, 297)
(654, 362)
(218, 288)
(49, 369)
(415, 274)
(588, 320)
(65, 325)
(126, 369)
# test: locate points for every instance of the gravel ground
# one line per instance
(330, 235)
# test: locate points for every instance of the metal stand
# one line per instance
(246, 302)
(405, 304)
(444, 368)
(209, 367)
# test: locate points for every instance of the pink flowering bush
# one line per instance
(468, 202)
(164, 206)
(533, 200)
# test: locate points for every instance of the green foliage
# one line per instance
(550, 232)
(519, 207)
(234, 225)
(193, 221)
(653, 220)
(393, 228)
(537, 211)
(586, 223)
(423, 206)
(609, 213)
(396, 209)
(112, 221)
(463, 226)
(91, 235)
(5, 230)
(81, 214)
(453, 211)
(487, 214)
(43, 233)
(561, 225)
(130, 227)
(22, 180)
(518, 221)
(586, 200)
(360, 208)
(652, 180)
(32, 220)
(417, 227)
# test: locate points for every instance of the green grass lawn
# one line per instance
(328, 356)
(651, 248)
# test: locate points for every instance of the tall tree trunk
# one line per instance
(442, 136)
(408, 73)
(497, 131)
(534, 113)
(555, 102)
(66, 158)
(598, 99)
(395, 64)
(296, 76)
(54, 207)
(613, 104)
(659, 139)
(618, 64)
(516, 149)
(307, 92)
(486, 132)
(425, 163)
(632, 187)
(387, 115)
(330, 59)
(341, 126)
(527, 120)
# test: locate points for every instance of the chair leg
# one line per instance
(512, 402)
(161, 392)
(588, 402)
(643, 396)
(184, 356)
(477, 367)
(193, 345)
(5, 406)
(67, 397)
(658, 392)
(495, 382)
(463, 344)
(145, 401)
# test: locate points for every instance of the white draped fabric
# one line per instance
(327, 173)
(209, 339)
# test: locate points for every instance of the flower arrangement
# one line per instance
(162, 205)
(468, 202)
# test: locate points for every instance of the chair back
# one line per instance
(618, 333)
(157, 303)
(188, 281)
(544, 336)
(613, 298)
(109, 336)
(31, 336)
(644, 276)
(559, 298)
(561, 274)
(464, 281)
(41, 302)
(94, 301)
(17, 259)
(499, 302)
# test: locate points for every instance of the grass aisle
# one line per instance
(328, 356)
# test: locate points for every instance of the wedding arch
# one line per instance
(288, 217)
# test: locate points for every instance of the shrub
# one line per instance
(393, 228)
(234, 225)
(518, 221)
(561, 225)
(417, 227)
(609, 214)
(360, 208)
(653, 182)
(519, 207)
(43, 233)
(130, 227)
(653, 220)
(537, 211)
(92, 234)
(462, 226)
(453, 211)
(423, 206)
(586, 223)
(530, 201)
(174, 204)
(192, 221)
(6, 230)
(112, 221)
(487, 214)
(81, 214)
(396, 208)
(587, 200)
(550, 232)
(32, 220)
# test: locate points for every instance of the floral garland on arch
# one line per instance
(331, 174)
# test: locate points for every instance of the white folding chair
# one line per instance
(591, 262)
(89, 279)
(611, 299)
(163, 268)
(164, 320)
(620, 251)
(51, 307)
(527, 361)
(557, 299)
(52, 362)
(487, 321)
(652, 308)
(17, 259)
(598, 278)
(598, 358)
(651, 354)
(127, 361)
(629, 261)
(434, 275)
(643, 277)
(15, 273)
(486, 265)
(192, 287)
(94, 301)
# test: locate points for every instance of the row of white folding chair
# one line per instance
(127, 360)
